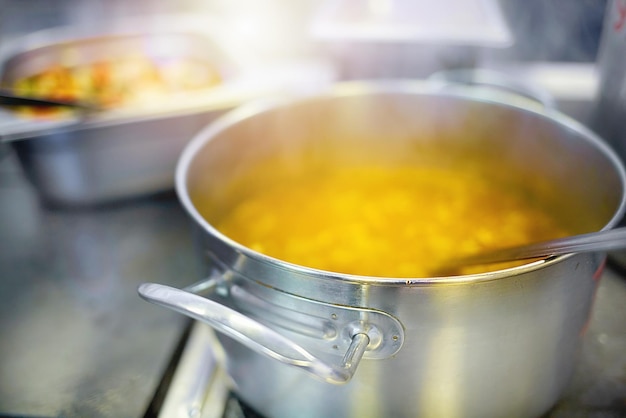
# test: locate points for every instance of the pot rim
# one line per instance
(355, 88)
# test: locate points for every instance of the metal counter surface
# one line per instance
(75, 338)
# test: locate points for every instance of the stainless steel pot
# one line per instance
(486, 345)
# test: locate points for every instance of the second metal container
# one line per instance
(130, 150)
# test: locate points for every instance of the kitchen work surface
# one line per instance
(76, 340)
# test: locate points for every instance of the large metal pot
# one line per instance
(495, 344)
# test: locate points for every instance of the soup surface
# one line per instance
(388, 221)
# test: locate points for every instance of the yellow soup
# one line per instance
(392, 221)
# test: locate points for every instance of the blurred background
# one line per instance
(550, 30)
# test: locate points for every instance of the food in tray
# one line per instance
(130, 81)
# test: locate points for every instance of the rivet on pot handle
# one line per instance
(255, 335)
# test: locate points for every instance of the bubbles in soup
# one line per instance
(391, 221)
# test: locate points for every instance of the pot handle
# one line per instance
(255, 335)
(496, 80)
